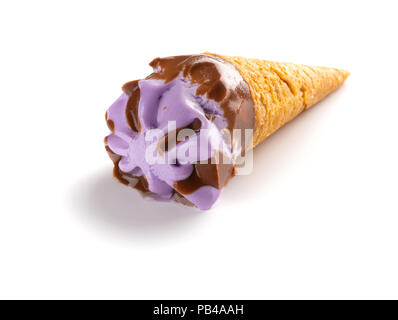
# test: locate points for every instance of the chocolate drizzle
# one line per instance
(217, 80)
(169, 140)
(138, 182)
(133, 91)
(212, 174)
(178, 197)
(110, 123)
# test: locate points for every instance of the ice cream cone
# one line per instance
(212, 95)
(281, 91)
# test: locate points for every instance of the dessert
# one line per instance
(173, 134)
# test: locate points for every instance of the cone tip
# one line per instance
(344, 73)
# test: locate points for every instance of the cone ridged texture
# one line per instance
(281, 91)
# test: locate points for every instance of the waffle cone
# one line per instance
(281, 91)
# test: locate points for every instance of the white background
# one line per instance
(318, 218)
